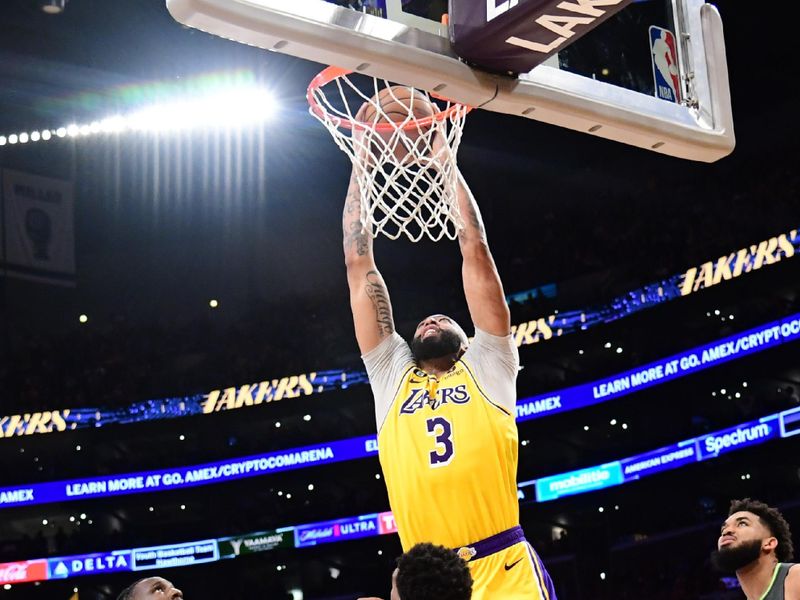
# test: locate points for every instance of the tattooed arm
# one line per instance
(369, 299)
(482, 286)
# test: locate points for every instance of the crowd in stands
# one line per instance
(121, 362)
(631, 241)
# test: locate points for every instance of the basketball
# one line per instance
(400, 105)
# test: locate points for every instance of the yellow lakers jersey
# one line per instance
(449, 457)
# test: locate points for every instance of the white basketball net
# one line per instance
(406, 173)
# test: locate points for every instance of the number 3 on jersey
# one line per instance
(442, 430)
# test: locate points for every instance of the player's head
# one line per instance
(151, 588)
(752, 530)
(429, 572)
(437, 336)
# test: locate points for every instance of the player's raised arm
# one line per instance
(482, 286)
(369, 298)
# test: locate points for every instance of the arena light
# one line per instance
(53, 7)
(233, 108)
(236, 107)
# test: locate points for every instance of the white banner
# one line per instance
(38, 236)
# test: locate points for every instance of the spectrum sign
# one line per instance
(704, 447)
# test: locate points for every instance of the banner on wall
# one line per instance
(38, 228)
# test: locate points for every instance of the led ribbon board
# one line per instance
(780, 425)
(189, 476)
(700, 358)
(661, 371)
(708, 274)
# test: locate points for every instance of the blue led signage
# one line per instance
(581, 481)
(174, 555)
(183, 477)
(335, 531)
(89, 564)
(693, 450)
(661, 371)
(679, 365)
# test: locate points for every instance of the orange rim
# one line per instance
(329, 74)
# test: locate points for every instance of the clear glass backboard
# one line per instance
(653, 76)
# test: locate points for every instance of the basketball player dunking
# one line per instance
(445, 413)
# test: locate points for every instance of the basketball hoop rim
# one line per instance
(331, 73)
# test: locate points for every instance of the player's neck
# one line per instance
(756, 577)
(439, 365)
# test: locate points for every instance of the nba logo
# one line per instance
(664, 55)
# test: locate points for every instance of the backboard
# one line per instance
(614, 82)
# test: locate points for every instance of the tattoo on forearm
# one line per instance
(473, 224)
(353, 230)
(356, 237)
(380, 300)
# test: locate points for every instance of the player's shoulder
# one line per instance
(794, 571)
(792, 584)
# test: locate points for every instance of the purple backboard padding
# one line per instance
(481, 39)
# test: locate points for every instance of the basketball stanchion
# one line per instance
(403, 144)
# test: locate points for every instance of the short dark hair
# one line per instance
(773, 519)
(127, 593)
(430, 572)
